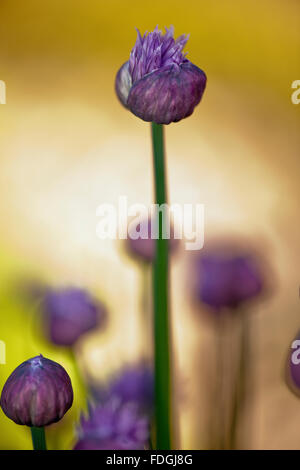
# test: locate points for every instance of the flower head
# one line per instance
(158, 83)
(226, 277)
(71, 312)
(133, 383)
(113, 426)
(37, 393)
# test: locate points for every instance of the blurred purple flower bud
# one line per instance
(226, 277)
(144, 248)
(158, 83)
(37, 393)
(114, 426)
(134, 383)
(293, 366)
(70, 313)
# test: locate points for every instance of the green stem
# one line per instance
(38, 438)
(160, 302)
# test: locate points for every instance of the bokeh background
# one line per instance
(67, 146)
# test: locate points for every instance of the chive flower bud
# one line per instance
(37, 393)
(70, 312)
(134, 383)
(158, 83)
(226, 277)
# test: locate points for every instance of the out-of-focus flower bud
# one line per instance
(114, 426)
(158, 84)
(133, 383)
(37, 393)
(226, 277)
(70, 313)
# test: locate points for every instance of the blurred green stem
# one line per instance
(239, 394)
(38, 438)
(160, 302)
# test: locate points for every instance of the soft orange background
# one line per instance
(66, 146)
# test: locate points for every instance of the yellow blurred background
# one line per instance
(66, 146)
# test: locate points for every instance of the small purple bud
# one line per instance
(70, 313)
(37, 393)
(226, 277)
(158, 84)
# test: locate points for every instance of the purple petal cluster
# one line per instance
(155, 50)
(71, 312)
(226, 278)
(158, 84)
(37, 393)
(113, 426)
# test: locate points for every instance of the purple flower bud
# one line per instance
(37, 393)
(134, 383)
(144, 248)
(158, 84)
(114, 426)
(70, 313)
(226, 278)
